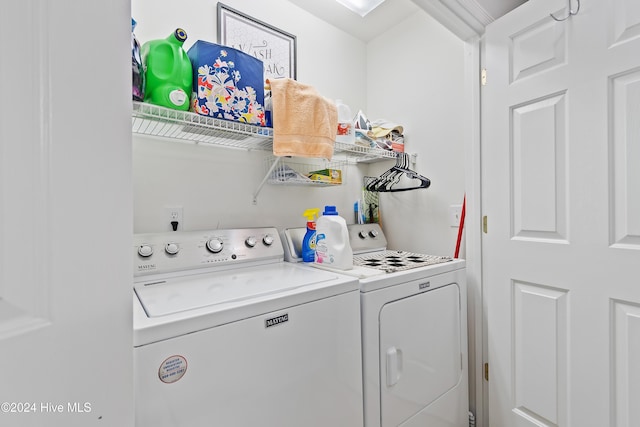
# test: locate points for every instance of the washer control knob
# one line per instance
(251, 241)
(214, 245)
(373, 233)
(362, 234)
(145, 251)
(268, 240)
(172, 248)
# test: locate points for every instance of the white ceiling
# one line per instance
(474, 14)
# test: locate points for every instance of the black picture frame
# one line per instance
(275, 48)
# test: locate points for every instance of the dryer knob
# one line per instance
(268, 240)
(214, 245)
(362, 234)
(172, 248)
(373, 233)
(145, 251)
(251, 241)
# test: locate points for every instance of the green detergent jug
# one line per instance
(168, 75)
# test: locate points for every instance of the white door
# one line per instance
(65, 214)
(561, 192)
(420, 356)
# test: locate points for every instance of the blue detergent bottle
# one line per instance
(309, 240)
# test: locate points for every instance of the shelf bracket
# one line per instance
(264, 180)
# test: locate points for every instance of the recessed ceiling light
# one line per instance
(361, 7)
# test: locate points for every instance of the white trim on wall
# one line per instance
(473, 229)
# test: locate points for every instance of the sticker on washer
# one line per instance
(172, 369)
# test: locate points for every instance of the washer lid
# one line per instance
(168, 296)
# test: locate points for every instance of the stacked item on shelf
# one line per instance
(388, 135)
(331, 176)
(283, 170)
(227, 83)
(167, 71)
(380, 133)
(210, 79)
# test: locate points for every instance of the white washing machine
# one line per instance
(228, 334)
(414, 332)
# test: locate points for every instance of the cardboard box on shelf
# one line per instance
(332, 176)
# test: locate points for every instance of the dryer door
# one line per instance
(420, 354)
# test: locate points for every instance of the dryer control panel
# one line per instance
(365, 238)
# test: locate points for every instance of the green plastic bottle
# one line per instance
(168, 75)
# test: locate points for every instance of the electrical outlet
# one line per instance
(455, 212)
(173, 214)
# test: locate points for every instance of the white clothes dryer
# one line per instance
(414, 332)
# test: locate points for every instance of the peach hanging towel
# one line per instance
(304, 122)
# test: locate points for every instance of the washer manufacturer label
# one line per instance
(172, 369)
(424, 285)
(146, 267)
(275, 321)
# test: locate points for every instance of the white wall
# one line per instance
(412, 73)
(415, 76)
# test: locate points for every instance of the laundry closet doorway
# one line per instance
(561, 197)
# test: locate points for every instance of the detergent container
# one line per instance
(332, 241)
(345, 132)
(309, 240)
(168, 74)
(136, 65)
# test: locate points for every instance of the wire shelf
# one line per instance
(284, 171)
(364, 154)
(154, 120)
(149, 119)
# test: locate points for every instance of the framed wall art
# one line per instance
(274, 47)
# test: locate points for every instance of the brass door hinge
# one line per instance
(483, 77)
(486, 372)
(484, 224)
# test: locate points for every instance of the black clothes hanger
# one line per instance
(388, 180)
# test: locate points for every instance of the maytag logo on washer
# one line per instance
(143, 267)
(274, 321)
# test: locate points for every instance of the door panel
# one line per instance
(624, 91)
(65, 214)
(537, 48)
(538, 169)
(541, 351)
(561, 191)
(625, 352)
(419, 352)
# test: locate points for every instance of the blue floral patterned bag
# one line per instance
(227, 83)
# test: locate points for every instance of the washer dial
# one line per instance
(251, 241)
(172, 248)
(215, 245)
(145, 251)
(268, 240)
